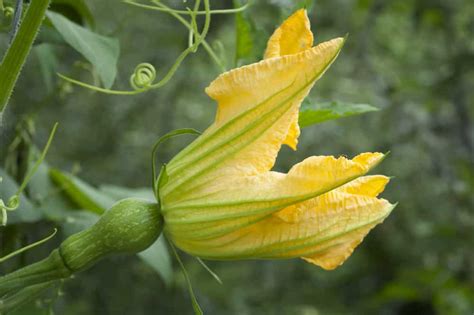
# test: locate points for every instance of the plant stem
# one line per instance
(49, 269)
(24, 296)
(19, 49)
(16, 19)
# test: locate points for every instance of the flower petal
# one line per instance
(370, 186)
(243, 201)
(293, 36)
(257, 105)
(335, 224)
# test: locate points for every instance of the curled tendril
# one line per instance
(3, 208)
(13, 203)
(143, 76)
(8, 11)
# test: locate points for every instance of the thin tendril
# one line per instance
(213, 274)
(205, 44)
(4, 213)
(191, 36)
(199, 39)
(14, 201)
(23, 249)
(194, 30)
(157, 144)
(39, 161)
(197, 308)
(185, 12)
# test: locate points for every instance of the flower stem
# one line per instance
(49, 269)
(25, 296)
(19, 49)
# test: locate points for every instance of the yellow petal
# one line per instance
(257, 105)
(251, 198)
(336, 223)
(370, 186)
(291, 139)
(293, 36)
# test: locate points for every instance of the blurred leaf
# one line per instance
(314, 113)
(118, 192)
(244, 51)
(75, 221)
(26, 212)
(399, 291)
(83, 194)
(48, 64)
(101, 51)
(75, 10)
(55, 201)
(158, 257)
(307, 4)
(46, 194)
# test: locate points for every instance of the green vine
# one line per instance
(144, 75)
(19, 49)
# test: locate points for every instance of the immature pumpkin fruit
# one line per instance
(222, 201)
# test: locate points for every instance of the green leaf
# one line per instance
(75, 10)
(18, 51)
(307, 4)
(83, 194)
(101, 51)
(46, 194)
(245, 30)
(56, 203)
(315, 113)
(158, 257)
(118, 192)
(75, 221)
(48, 64)
(26, 212)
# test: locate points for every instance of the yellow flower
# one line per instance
(222, 201)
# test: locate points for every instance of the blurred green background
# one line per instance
(413, 59)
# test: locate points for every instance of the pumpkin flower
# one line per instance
(220, 199)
